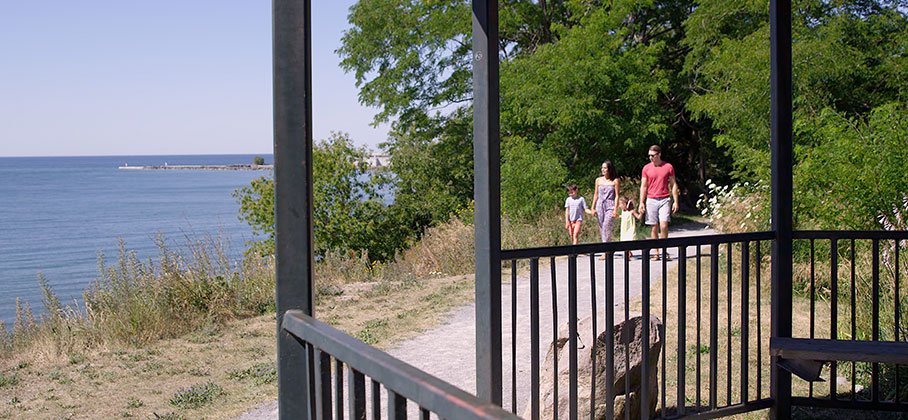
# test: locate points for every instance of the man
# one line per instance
(658, 194)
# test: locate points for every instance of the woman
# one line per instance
(607, 189)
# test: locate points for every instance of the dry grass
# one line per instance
(197, 331)
(237, 357)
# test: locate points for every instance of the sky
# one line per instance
(114, 77)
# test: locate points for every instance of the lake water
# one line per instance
(58, 213)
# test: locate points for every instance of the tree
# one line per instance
(532, 180)
(348, 213)
(432, 171)
(849, 68)
(258, 160)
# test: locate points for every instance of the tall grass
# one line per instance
(135, 302)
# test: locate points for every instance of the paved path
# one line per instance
(448, 351)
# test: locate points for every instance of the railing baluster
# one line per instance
(534, 338)
(554, 333)
(397, 406)
(609, 337)
(898, 397)
(572, 334)
(322, 385)
(713, 325)
(424, 414)
(338, 389)
(682, 328)
(644, 355)
(813, 304)
(759, 292)
(833, 309)
(728, 282)
(664, 323)
(514, 336)
(745, 319)
(627, 317)
(376, 400)
(853, 323)
(594, 340)
(356, 384)
(875, 296)
(699, 324)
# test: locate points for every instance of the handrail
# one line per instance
(851, 234)
(556, 251)
(429, 392)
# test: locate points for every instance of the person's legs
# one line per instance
(664, 219)
(575, 232)
(652, 220)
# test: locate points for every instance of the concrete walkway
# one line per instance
(448, 351)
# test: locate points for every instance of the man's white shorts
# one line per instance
(658, 210)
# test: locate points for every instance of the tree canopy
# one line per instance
(584, 81)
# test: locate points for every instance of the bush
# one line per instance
(532, 180)
(196, 396)
(736, 208)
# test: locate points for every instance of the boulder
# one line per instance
(628, 339)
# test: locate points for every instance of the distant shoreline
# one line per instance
(237, 167)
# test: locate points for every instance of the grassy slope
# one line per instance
(238, 357)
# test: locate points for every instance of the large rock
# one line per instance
(627, 379)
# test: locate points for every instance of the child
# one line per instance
(629, 217)
(574, 207)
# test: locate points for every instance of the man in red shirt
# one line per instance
(658, 194)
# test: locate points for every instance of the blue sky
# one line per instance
(114, 77)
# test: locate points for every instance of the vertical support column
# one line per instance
(780, 85)
(292, 61)
(487, 223)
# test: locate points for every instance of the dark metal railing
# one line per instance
(713, 357)
(336, 360)
(853, 282)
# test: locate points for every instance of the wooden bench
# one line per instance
(805, 357)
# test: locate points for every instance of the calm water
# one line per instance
(57, 214)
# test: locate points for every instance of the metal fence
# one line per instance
(340, 367)
(713, 357)
(854, 285)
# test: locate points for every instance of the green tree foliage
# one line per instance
(532, 180)
(256, 202)
(850, 68)
(593, 95)
(432, 171)
(585, 81)
(409, 56)
(348, 213)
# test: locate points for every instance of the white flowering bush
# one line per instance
(741, 207)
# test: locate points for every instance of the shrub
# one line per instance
(196, 396)
(258, 160)
(8, 380)
(736, 208)
(260, 373)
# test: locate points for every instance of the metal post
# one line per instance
(781, 133)
(292, 62)
(487, 225)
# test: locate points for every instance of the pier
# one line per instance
(237, 167)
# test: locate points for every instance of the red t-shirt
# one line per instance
(658, 179)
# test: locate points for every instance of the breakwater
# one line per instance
(237, 167)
